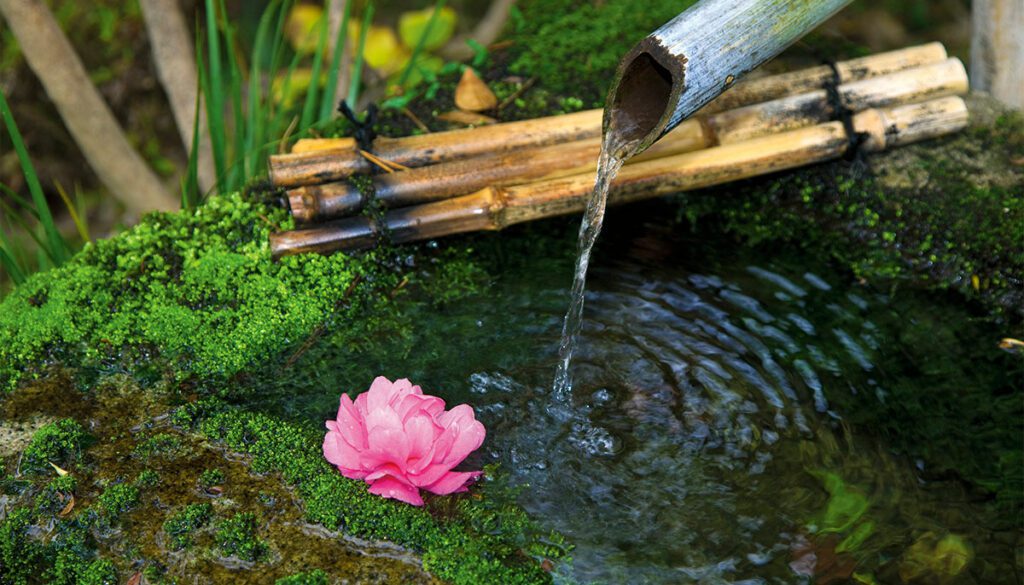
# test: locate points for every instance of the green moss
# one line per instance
(161, 444)
(573, 46)
(186, 294)
(55, 495)
(940, 225)
(210, 478)
(59, 443)
(463, 540)
(180, 526)
(147, 479)
(19, 553)
(118, 498)
(236, 536)
(99, 572)
(316, 577)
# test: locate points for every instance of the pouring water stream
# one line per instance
(616, 149)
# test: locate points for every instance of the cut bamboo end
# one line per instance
(450, 179)
(315, 161)
(495, 209)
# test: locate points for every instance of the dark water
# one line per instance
(713, 433)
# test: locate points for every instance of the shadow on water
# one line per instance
(737, 416)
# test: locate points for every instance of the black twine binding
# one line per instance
(844, 115)
(364, 133)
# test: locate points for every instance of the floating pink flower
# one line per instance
(400, 440)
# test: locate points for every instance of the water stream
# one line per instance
(615, 151)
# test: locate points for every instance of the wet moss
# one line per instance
(59, 443)
(161, 444)
(180, 526)
(55, 496)
(939, 215)
(315, 577)
(210, 478)
(117, 499)
(236, 536)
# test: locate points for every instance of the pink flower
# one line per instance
(399, 440)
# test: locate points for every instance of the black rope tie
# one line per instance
(364, 129)
(844, 114)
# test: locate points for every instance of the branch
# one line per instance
(176, 67)
(88, 118)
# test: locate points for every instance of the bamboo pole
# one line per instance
(323, 160)
(497, 208)
(690, 60)
(445, 180)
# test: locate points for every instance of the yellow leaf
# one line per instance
(975, 282)
(59, 471)
(412, 25)
(303, 27)
(382, 51)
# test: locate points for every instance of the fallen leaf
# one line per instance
(466, 118)
(472, 94)
(135, 579)
(59, 471)
(67, 507)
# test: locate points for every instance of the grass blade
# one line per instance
(213, 87)
(83, 229)
(357, 69)
(422, 41)
(56, 246)
(309, 108)
(327, 105)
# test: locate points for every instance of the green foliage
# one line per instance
(118, 498)
(463, 540)
(158, 445)
(574, 46)
(196, 292)
(59, 443)
(315, 577)
(53, 248)
(54, 496)
(236, 536)
(180, 526)
(99, 572)
(210, 478)
(19, 554)
(147, 479)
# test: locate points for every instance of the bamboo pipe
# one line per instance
(696, 56)
(497, 208)
(329, 159)
(445, 180)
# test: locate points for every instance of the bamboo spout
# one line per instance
(699, 54)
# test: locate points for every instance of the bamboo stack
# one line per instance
(490, 177)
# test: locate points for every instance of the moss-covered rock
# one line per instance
(59, 443)
(943, 214)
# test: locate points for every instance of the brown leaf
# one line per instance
(67, 507)
(135, 579)
(473, 95)
(466, 118)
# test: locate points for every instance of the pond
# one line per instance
(735, 414)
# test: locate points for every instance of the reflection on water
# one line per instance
(699, 443)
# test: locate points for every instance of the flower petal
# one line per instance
(351, 423)
(421, 432)
(343, 456)
(389, 487)
(453, 481)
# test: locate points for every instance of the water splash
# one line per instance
(615, 151)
